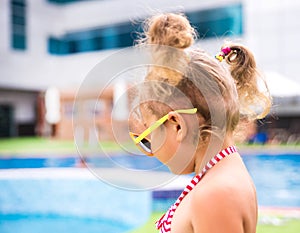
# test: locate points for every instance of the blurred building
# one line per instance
(46, 43)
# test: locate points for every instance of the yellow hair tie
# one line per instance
(219, 57)
(224, 52)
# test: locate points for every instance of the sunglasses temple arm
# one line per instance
(187, 111)
(160, 122)
(151, 128)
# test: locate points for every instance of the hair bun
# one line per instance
(170, 29)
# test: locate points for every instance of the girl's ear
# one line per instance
(179, 125)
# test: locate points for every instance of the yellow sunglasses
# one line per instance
(143, 143)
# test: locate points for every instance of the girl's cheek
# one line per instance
(158, 138)
(163, 145)
(159, 145)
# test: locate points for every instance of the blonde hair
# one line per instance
(208, 85)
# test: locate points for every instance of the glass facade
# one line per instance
(113, 36)
(65, 1)
(18, 24)
(210, 23)
(218, 22)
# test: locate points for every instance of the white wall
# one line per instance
(98, 13)
(4, 25)
(272, 30)
(34, 68)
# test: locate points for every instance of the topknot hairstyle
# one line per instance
(208, 84)
(169, 29)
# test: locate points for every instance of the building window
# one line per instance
(218, 22)
(18, 24)
(113, 36)
(210, 23)
(64, 1)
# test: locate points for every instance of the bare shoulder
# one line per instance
(224, 200)
(217, 207)
(216, 195)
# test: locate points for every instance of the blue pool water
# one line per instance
(17, 223)
(131, 162)
(276, 178)
(11, 163)
(63, 205)
(67, 201)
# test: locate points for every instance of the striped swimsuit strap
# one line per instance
(164, 223)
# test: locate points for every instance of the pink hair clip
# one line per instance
(224, 52)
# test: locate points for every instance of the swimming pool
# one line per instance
(276, 177)
(32, 223)
(67, 200)
(127, 161)
(45, 199)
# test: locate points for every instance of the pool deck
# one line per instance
(142, 180)
(268, 149)
(287, 212)
(48, 151)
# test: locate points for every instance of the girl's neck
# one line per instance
(205, 152)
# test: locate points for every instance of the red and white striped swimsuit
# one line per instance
(164, 223)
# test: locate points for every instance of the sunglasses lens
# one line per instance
(146, 145)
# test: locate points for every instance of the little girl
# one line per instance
(191, 106)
